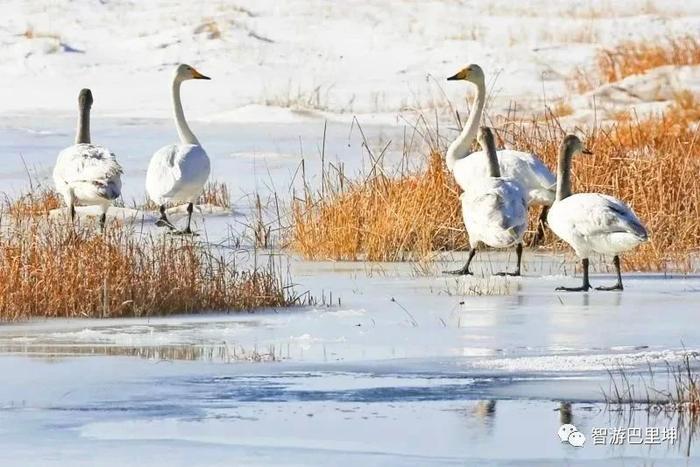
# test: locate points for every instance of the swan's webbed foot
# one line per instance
(186, 231)
(618, 284)
(583, 288)
(164, 222)
(515, 273)
(611, 287)
(460, 272)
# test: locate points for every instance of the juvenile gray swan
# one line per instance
(494, 209)
(591, 222)
(85, 173)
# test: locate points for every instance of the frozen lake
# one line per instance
(432, 377)
(408, 367)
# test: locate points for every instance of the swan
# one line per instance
(178, 172)
(85, 173)
(494, 209)
(537, 180)
(591, 222)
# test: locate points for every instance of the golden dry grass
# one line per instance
(38, 202)
(50, 269)
(380, 218)
(634, 58)
(652, 164)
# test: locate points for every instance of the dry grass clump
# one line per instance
(50, 269)
(380, 217)
(217, 194)
(210, 27)
(682, 394)
(651, 163)
(38, 202)
(634, 58)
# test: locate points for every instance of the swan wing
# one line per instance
(527, 169)
(595, 214)
(177, 173)
(495, 211)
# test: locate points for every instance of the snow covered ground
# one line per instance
(334, 59)
(410, 368)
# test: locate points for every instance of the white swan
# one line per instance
(85, 173)
(591, 222)
(177, 172)
(537, 180)
(494, 209)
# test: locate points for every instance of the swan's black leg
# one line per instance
(103, 220)
(188, 230)
(465, 270)
(72, 213)
(618, 286)
(163, 220)
(586, 284)
(519, 253)
(538, 239)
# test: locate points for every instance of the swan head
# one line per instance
(85, 99)
(472, 73)
(572, 145)
(184, 72)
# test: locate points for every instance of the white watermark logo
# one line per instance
(649, 435)
(569, 434)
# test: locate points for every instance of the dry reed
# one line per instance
(651, 163)
(37, 202)
(635, 58)
(50, 269)
(380, 218)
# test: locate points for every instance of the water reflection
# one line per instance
(219, 353)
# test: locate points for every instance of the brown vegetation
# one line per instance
(634, 58)
(38, 202)
(651, 163)
(49, 268)
(380, 217)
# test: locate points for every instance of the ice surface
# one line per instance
(409, 368)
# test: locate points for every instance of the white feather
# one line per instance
(596, 223)
(536, 179)
(177, 173)
(494, 212)
(87, 174)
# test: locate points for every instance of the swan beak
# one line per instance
(586, 151)
(198, 75)
(463, 74)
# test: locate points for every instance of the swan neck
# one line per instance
(564, 174)
(459, 148)
(183, 129)
(82, 136)
(494, 169)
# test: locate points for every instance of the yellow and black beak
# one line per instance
(462, 74)
(198, 75)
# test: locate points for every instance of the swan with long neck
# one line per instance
(591, 222)
(494, 209)
(85, 173)
(177, 172)
(537, 180)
